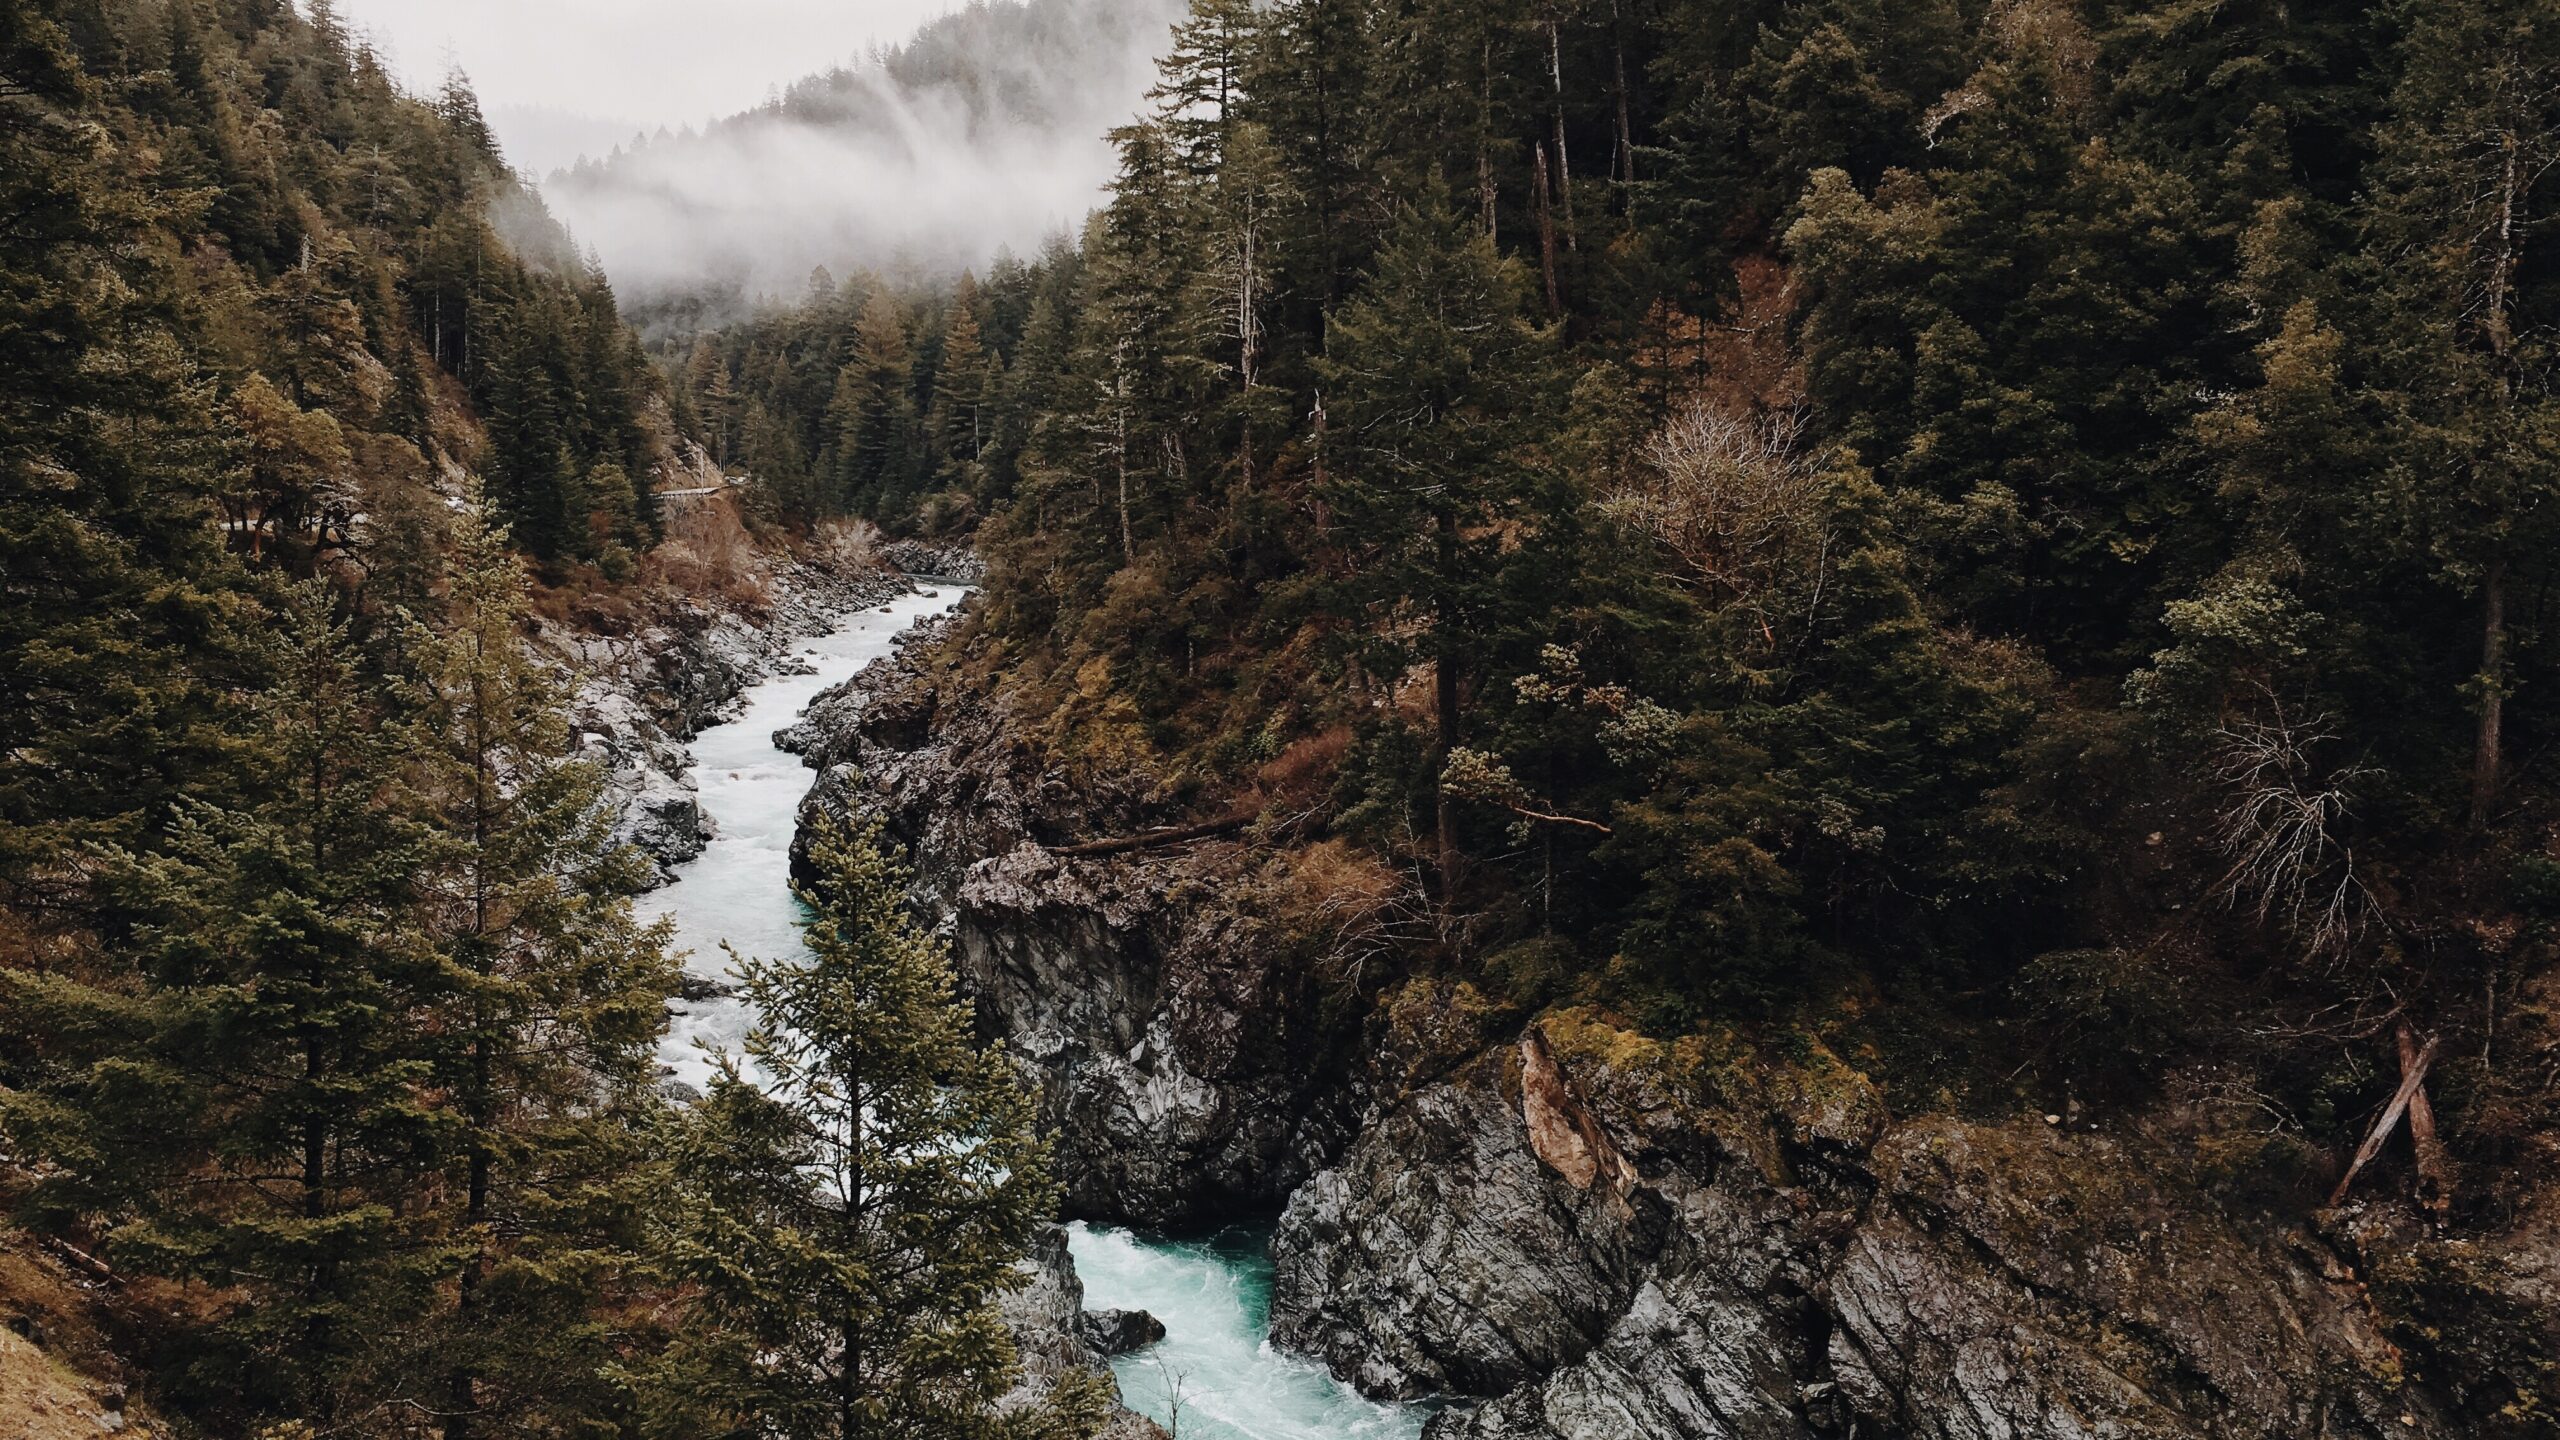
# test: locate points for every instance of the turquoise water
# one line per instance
(1216, 1361)
(1213, 1373)
(739, 890)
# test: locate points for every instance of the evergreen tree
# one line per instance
(535, 481)
(2470, 162)
(1435, 375)
(856, 1195)
(963, 387)
(255, 1116)
(119, 621)
(873, 415)
(553, 996)
(1202, 78)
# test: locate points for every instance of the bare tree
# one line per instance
(1736, 501)
(1176, 1392)
(2280, 825)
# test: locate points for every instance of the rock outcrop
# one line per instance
(1776, 1259)
(642, 695)
(926, 559)
(1056, 1338)
(1186, 1073)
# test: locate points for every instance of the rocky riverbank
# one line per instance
(1598, 1235)
(1058, 1339)
(644, 693)
(1187, 1072)
(1574, 1232)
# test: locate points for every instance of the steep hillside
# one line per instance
(2003, 543)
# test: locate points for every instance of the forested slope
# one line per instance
(2005, 536)
(985, 128)
(329, 1092)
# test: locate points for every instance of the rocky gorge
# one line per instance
(1569, 1230)
(642, 693)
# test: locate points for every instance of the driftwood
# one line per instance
(1159, 839)
(2413, 1077)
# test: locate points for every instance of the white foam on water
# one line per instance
(1214, 1297)
(739, 891)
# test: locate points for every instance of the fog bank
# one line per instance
(986, 130)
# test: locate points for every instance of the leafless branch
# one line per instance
(2279, 828)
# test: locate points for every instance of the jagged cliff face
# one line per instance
(1601, 1235)
(1574, 1232)
(1187, 1074)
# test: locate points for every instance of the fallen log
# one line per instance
(2435, 1175)
(1159, 839)
(2412, 1076)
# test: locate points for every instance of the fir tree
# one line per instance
(2471, 159)
(1434, 373)
(254, 1118)
(119, 626)
(553, 998)
(963, 386)
(857, 1192)
(873, 414)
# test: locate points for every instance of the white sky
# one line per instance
(563, 77)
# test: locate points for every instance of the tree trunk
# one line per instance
(2412, 1080)
(475, 1214)
(1323, 511)
(1445, 692)
(2486, 749)
(479, 1102)
(855, 1181)
(1485, 193)
(1626, 104)
(1547, 236)
(2435, 1180)
(1128, 541)
(1564, 162)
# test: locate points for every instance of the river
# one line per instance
(1214, 1371)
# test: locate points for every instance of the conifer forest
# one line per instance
(1284, 719)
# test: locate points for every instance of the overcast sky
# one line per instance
(565, 77)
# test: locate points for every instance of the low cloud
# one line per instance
(988, 130)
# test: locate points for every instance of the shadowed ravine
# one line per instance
(1213, 1295)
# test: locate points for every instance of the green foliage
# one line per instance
(373, 1058)
(857, 1192)
(550, 993)
(255, 1110)
(120, 619)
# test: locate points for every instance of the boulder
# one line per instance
(1111, 1333)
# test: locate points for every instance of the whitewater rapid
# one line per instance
(738, 892)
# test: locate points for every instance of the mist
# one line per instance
(987, 131)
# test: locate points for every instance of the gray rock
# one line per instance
(1049, 1324)
(1442, 1257)
(641, 696)
(1185, 1072)
(937, 561)
(1773, 1273)
(1118, 1332)
(696, 989)
(1576, 1235)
